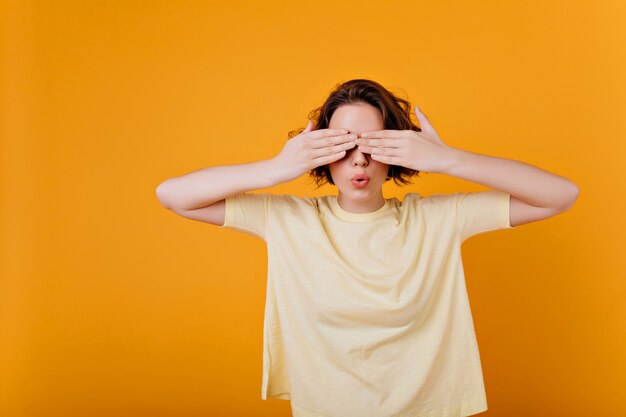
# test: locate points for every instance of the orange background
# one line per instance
(113, 306)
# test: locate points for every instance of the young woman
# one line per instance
(367, 311)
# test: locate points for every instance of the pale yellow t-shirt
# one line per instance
(367, 314)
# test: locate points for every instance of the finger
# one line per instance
(387, 142)
(391, 160)
(322, 133)
(381, 151)
(333, 140)
(382, 134)
(424, 122)
(333, 149)
(323, 160)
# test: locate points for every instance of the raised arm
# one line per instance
(206, 186)
(536, 194)
(200, 195)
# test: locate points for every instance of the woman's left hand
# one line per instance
(420, 151)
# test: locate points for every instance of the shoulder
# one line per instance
(411, 197)
(254, 200)
(464, 200)
(433, 206)
(290, 201)
(432, 200)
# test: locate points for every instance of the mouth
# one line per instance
(360, 180)
(360, 177)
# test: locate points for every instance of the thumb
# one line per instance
(424, 122)
(309, 126)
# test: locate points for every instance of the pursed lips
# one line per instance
(360, 177)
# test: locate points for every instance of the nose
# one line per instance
(358, 157)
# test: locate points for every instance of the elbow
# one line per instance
(572, 194)
(161, 194)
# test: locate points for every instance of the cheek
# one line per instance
(381, 167)
(334, 168)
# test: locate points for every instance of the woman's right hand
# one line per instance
(310, 149)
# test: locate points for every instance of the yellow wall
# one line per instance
(113, 306)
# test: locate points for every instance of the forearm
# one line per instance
(208, 185)
(526, 182)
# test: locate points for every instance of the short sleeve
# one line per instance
(479, 212)
(247, 212)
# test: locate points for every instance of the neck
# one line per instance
(364, 204)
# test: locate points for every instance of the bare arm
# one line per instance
(536, 194)
(526, 182)
(200, 194)
(204, 187)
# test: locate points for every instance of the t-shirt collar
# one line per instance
(358, 217)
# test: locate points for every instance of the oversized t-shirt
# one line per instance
(367, 314)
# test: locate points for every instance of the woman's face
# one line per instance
(357, 118)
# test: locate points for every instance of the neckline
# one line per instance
(358, 217)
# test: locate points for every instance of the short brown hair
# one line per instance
(396, 114)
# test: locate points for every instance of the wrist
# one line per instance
(277, 172)
(271, 172)
(451, 159)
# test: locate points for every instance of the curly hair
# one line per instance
(396, 114)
